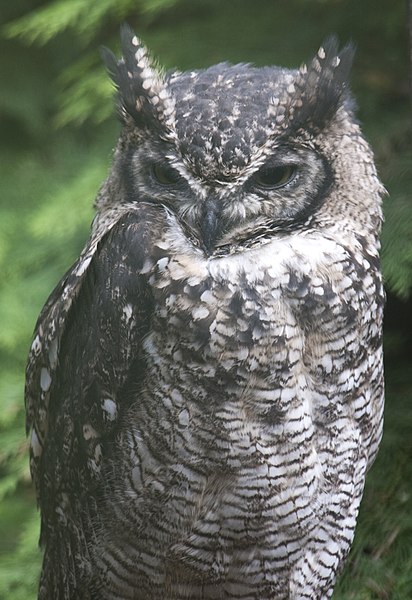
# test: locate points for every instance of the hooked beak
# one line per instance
(210, 223)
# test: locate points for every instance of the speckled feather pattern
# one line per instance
(205, 386)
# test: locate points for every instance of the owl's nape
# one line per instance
(205, 385)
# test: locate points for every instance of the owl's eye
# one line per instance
(165, 174)
(274, 177)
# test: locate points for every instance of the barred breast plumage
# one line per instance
(205, 386)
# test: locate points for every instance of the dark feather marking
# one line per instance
(98, 352)
(135, 93)
(322, 88)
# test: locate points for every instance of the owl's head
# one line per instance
(238, 152)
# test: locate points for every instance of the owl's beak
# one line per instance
(210, 223)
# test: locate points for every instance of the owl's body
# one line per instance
(205, 385)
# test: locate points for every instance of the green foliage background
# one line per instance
(56, 135)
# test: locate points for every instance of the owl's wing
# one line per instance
(86, 352)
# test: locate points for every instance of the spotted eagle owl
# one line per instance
(205, 385)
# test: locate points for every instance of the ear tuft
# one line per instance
(321, 87)
(141, 88)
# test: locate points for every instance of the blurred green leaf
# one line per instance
(49, 180)
(83, 16)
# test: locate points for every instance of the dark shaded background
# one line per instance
(56, 136)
